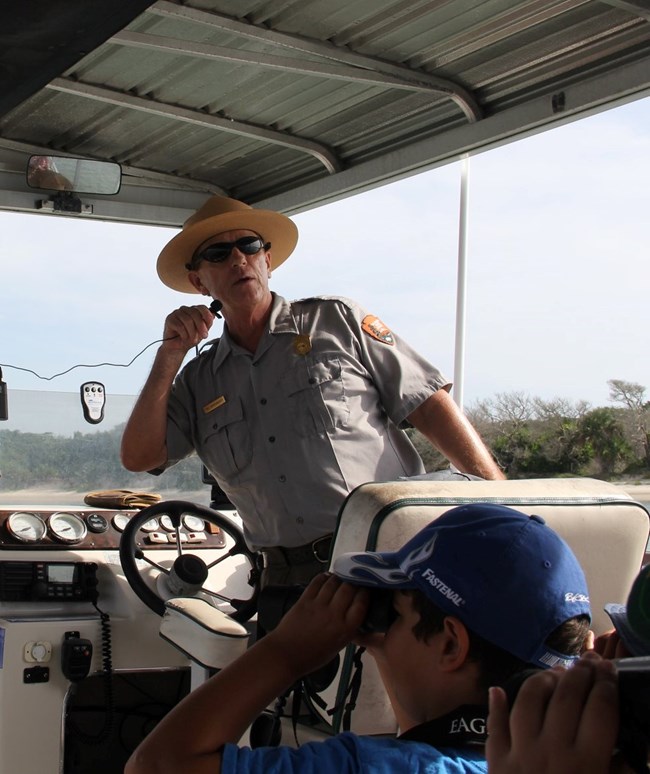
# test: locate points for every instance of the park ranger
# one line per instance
(296, 404)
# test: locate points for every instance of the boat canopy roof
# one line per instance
(288, 105)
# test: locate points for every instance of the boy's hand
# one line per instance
(322, 622)
(610, 645)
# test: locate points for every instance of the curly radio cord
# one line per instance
(109, 698)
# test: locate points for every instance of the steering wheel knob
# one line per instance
(187, 575)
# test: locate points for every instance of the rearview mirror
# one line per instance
(60, 173)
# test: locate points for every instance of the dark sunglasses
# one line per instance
(220, 251)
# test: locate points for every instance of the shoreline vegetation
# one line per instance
(528, 437)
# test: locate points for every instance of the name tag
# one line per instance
(214, 404)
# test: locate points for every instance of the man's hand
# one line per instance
(144, 441)
(562, 722)
(324, 620)
(186, 327)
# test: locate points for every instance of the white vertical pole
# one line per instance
(461, 285)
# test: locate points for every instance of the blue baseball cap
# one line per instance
(506, 575)
(632, 620)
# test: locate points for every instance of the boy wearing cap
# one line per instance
(478, 595)
(296, 404)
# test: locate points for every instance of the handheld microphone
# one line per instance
(216, 307)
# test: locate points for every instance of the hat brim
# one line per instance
(371, 569)
(274, 227)
(638, 646)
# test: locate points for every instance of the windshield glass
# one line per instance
(556, 295)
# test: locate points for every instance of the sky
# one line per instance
(557, 284)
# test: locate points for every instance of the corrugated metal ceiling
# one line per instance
(299, 101)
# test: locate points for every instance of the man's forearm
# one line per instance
(446, 427)
(144, 445)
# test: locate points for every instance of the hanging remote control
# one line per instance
(93, 398)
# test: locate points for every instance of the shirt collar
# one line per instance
(281, 320)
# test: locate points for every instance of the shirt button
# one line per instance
(271, 439)
(263, 401)
(300, 520)
(283, 478)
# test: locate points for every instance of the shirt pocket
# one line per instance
(316, 397)
(225, 441)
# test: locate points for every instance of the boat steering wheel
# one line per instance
(189, 572)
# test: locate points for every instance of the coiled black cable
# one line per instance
(109, 697)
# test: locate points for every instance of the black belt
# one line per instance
(318, 549)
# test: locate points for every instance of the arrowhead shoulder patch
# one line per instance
(376, 329)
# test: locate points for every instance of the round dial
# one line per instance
(120, 521)
(150, 526)
(26, 527)
(166, 523)
(67, 527)
(193, 523)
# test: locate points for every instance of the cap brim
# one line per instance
(638, 646)
(371, 569)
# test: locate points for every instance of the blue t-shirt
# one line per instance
(348, 753)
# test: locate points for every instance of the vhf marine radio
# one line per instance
(48, 582)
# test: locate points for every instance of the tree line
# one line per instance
(83, 462)
(528, 436)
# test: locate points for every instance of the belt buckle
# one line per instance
(314, 547)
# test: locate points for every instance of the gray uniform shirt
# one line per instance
(289, 431)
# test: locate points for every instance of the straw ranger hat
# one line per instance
(217, 215)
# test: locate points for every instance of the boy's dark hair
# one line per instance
(495, 664)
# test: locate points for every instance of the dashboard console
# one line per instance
(29, 529)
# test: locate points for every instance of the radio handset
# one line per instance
(76, 656)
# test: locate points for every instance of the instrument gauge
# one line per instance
(26, 527)
(193, 523)
(67, 527)
(166, 523)
(120, 521)
(150, 526)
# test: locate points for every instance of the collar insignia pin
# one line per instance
(302, 344)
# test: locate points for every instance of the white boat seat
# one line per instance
(607, 530)
(206, 635)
